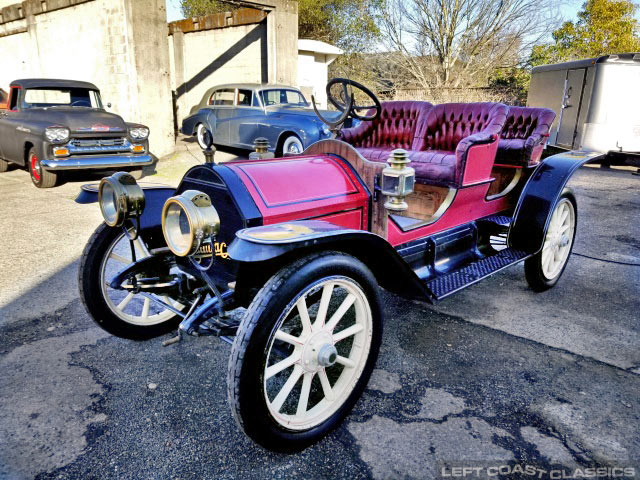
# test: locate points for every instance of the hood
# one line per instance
(85, 120)
(308, 112)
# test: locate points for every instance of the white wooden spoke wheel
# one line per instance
(128, 306)
(559, 239)
(305, 350)
(121, 312)
(544, 269)
(326, 334)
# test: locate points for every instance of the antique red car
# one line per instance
(422, 200)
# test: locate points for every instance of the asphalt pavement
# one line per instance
(495, 376)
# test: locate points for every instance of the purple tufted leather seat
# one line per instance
(524, 135)
(394, 128)
(437, 138)
(444, 139)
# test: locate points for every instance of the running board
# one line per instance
(448, 283)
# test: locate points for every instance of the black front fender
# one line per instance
(261, 251)
(539, 198)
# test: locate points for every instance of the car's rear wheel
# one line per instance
(200, 131)
(544, 269)
(40, 177)
(291, 145)
(305, 350)
(4, 166)
(121, 313)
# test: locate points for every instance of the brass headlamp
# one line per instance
(188, 220)
(397, 180)
(120, 197)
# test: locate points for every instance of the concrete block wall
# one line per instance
(120, 45)
(244, 46)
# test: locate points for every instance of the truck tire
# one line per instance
(40, 177)
(339, 292)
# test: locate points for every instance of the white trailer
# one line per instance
(597, 104)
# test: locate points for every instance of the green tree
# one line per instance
(603, 27)
(348, 24)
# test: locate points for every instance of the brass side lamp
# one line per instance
(397, 180)
(261, 146)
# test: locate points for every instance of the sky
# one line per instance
(173, 10)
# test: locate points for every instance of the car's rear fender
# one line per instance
(539, 197)
(151, 218)
(261, 251)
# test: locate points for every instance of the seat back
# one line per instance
(522, 122)
(448, 123)
(394, 128)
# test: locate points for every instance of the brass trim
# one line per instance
(512, 184)
(128, 199)
(444, 206)
(202, 216)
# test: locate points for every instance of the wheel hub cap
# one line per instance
(327, 355)
(564, 241)
(319, 352)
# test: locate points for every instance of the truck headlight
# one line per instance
(187, 221)
(139, 133)
(57, 134)
(120, 197)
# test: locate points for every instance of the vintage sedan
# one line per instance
(236, 115)
(423, 200)
(51, 126)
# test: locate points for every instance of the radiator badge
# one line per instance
(221, 249)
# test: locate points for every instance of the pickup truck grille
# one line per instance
(98, 145)
(98, 142)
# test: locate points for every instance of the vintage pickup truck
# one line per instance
(50, 126)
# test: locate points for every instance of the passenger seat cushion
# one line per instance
(394, 128)
(524, 133)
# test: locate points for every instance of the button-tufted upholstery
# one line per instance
(394, 128)
(447, 134)
(523, 136)
(437, 138)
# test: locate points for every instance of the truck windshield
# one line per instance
(61, 97)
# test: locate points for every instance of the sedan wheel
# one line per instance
(305, 351)
(200, 131)
(292, 146)
(544, 269)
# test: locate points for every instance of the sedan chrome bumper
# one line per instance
(97, 162)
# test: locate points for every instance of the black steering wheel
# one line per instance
(347, 91)
(347, 103)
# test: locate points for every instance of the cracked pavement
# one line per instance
(494, 374)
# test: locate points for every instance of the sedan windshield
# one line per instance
(61, 97)
(283, 97)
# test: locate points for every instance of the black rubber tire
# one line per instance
(248, 354)
(533, 273)
(4, 165)
(47, 179)
(93, 298)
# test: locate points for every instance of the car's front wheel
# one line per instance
(291, 145)
(305, 350)
(40, 177)
(122, 313)
(200, 132)
(544, 269)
